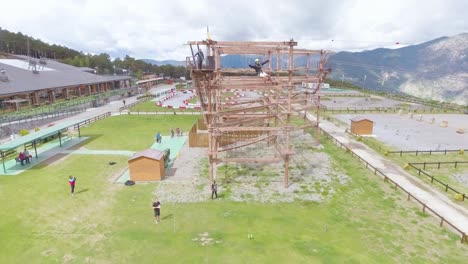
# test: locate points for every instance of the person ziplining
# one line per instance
(258, 69)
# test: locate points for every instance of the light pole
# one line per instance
(342, 81)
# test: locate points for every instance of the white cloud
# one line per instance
(158, 29)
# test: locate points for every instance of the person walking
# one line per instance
(158, 138)
(157, 210)
(72, 181)
(214, 190)
(172, 132)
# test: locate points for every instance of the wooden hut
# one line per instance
(148, 165)
(362, 126)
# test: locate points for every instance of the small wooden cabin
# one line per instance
(362, 126)
(147, 165)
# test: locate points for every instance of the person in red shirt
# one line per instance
(21, 158)
(72, 181)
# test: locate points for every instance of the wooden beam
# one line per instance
(250, 160)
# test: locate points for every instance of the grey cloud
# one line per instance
(158, 29)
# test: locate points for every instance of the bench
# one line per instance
(9, 153)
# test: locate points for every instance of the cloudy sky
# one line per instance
(158, 29)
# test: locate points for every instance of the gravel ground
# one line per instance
(461, 178)
(312, 177)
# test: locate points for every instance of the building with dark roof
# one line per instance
(43, 81)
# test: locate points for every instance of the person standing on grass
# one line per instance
(158, 138)
(72, 181)
(214, 190)
(124, 102)
(172, 132)
(157, 211)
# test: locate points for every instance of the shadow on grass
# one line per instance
(169, 216)
(82, 191)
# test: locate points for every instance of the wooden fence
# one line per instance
(447, 187)
(341, 110)
(425, 207)
(91, 120)
(197, 139)
(401, 152)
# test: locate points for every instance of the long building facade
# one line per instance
(33, 82)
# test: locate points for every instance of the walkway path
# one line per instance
(441, 204)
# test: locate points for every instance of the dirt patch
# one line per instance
(311, 176)
(205, 240)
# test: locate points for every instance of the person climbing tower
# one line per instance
(258, 69)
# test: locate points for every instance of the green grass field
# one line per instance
(364, 222)
(133, 132)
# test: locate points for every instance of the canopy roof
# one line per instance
(38, 135)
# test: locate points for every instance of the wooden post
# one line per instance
(3, 162)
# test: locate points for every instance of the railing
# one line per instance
(425, 151)
(40, 116)
(62, 107)
(91, 120)
(335, 94)
(393, 109)
(140, 99)
(464, 237)
(447, 187)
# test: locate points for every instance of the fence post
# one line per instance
(446, 187)
(456, 164)
(401, 153)
(424, 208)
(430, 152)
(445, 152)
(432, 179)
(438, 167)
(424, 167)
(416, 152)
(441, 221)
(409, 196)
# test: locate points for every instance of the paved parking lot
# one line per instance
(405, 133)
